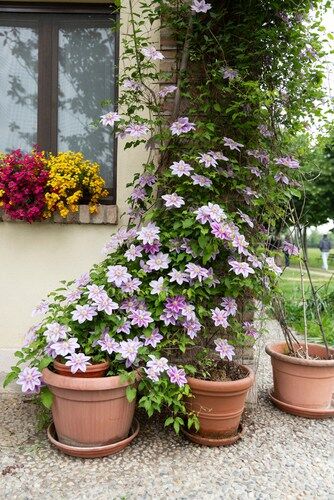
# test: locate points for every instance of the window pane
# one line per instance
(86, 78)
(18, 87)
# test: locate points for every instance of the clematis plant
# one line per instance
(176, 290)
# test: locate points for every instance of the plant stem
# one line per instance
(304, 305)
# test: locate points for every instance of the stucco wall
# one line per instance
(34, 258)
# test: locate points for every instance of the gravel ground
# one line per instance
(280, 457)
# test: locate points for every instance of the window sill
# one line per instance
(106, 215)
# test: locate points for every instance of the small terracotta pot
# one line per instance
(98, 370)
(89, 411)
(302, 383)
(219, 405)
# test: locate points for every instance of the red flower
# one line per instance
(23, 179)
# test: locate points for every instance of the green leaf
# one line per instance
(10, 378)
(131, 393)
(46, 397)
(44, 362)
(176, 426)
(18, 354)
(169, 421)
(187, 223)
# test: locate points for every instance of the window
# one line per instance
(57, 67)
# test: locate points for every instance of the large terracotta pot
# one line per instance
(89, 411)
(219, 407)
(303, 387)
(98, 370)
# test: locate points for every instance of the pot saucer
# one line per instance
(205, 441)
(94, 451)
(300, 411)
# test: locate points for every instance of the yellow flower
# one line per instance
(71, 179)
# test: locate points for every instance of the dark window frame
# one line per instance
(73, 14)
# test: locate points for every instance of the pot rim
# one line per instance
(270, 349)
(103, 365)
(215, 385)
(85, 384)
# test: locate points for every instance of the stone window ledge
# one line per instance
(106, 214)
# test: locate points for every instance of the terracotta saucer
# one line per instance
(94, 451)
(299, 411)
(205, 441)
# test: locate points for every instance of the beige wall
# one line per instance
(34, 258)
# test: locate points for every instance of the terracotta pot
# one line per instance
(89, 411)
(98, 370)
(302, 383)
(219, 405)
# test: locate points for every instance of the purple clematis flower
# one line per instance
(199, 6)
(224, 349)
(129, 350)
(158, 261)
(241, 268)
(201, 180)
(77, 362)
(230, 74)
(154, 339)
(108, 344)
(140, 318)
(281, 178)
(84, 313)
(230, 143)
(178, 276)
(182, 126)
(169, 89)
(219, 317)
(149, 234)
(207, 160)
(287, 161)
(110, 119)
(136, 130)
(55, 331)
(118, 275)
(158, 364)
(157, 286)
(152, 54)
(250, 330)
(181, 168)
(30, 380)
(41, 308)
(196, 271)
(173, 200)
(229, 305)
(65, 347)
(83, 280)
(177, 376)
